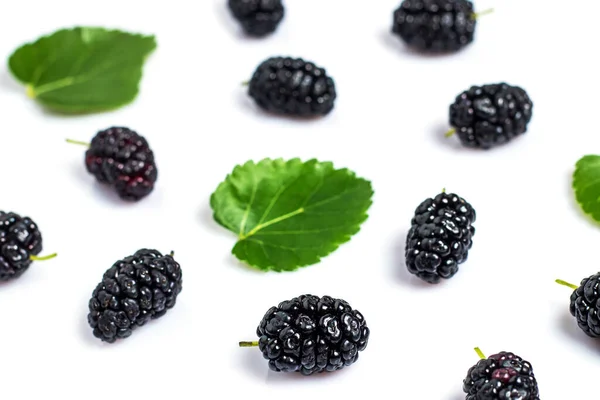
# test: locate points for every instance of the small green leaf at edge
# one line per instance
(228, 220)
(586, 184)
(129, 87)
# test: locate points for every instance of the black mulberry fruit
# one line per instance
(490, 115)
(133, 291)
(435, 26)
(20, 243)
(292, 87)
(257, 17)
(585, 304)
(123, 159)
(440, 237)
(311, 334)
(503, 376)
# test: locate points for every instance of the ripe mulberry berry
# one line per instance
(122, 158)
(490, 115)
(440, 237)
(293, 87)
(20, 243)
(257, 17)
(502, 376)
(436, 26)
(133, 291)
(311, 334)
(585, 304)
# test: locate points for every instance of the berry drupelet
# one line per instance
(257, 17)
(440, 237)
(133, 291)
(503, 376)
(292, 87)
(435, 26)
(20, 240)
(122, 158)
(310, 334)
(585, 304)
(490, 115)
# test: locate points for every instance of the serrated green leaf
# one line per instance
(290, 214)
(586, 183)
(83, 69)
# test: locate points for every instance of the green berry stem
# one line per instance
(44, 258)
(480, 353)
(78, 142)
(451, 132)
(248, 344)
(567, 284)
(246, 83)
(482, 13)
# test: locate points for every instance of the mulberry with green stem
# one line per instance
(436, 26)
(585, 304)
(311, 334)
(135, 290)
(440, 237)
(488, 116)
(20, 245)
(501, 376)
(123, 159)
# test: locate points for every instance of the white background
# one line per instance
(387, 126)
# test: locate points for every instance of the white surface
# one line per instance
(387, 126)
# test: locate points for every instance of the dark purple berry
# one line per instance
(490, 115)
(257, 17)
(292, 87)
(503, 376)
(311, 334)
(122, 158)
(126, 298)
(585, 305)
(440, 237)
(20, 239)
(436, 26)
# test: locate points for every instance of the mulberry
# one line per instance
(311, 334)
(502, 376)
(257, 17)
(585, 304)
(440, 237)
(435, 25)
(122, 158)
(133, 291)
(490, 115)
(293, 87)
(20, 243)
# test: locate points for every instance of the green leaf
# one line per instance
(290, 214)
(586, 183)
(83, 69)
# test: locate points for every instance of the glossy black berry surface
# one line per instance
(440, 237)
(585, 305)
(435, 26)
(490, 115)
(133, 291)
(292, 86)
(257, 17)
(311, 334)
(20, 239)
(122, 158)
(503, 376)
